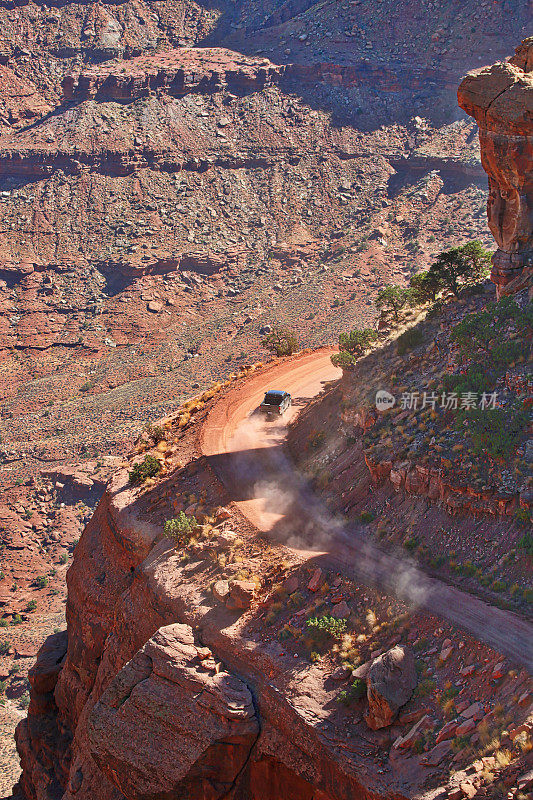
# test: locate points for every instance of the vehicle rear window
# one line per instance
(273, 398)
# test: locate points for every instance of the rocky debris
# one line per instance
(241, 594)
(391, 681)
(20, 101)
(437, 754)
(317, 579)
(221, 590)
(145, 749)
(500, 100)
(411, 736)
(340, 610)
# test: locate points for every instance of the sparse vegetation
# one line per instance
(181, 528)
(143, 470)
(356, 691)
(281, 341)
(324, 630)
(409, 339)
(352, 346)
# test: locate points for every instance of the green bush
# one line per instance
(425, 287)
(281, 341)
(495, 431)
(393, 298)
(526, 542)
(356, 691)
(181, 528)
(352, 346)
(324, 630)
(366, 517)
(143, 470)
(31, 606)
(5, 646)
(460, 266)
(41, 582)
(522, 517)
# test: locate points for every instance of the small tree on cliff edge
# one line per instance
(393, 298)
(425, 287)
(281, 341)
(461, 266)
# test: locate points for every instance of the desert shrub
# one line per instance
(316, 440)
(147, 468)
(323, 630)
(155, 432)
(352, 346)
(411, 338)
(181, 528)
(476, 378)
(426, 687)
(495, 431)
(460, 266)
(366, 517)
(523, 518)
(16, 619)
(5, 646)
(31, 606)
(355, 692)
(281, 341)
(480, 334)
(41, 582)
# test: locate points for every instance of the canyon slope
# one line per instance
(175, 178)
(337, 647)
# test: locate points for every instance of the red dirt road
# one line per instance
(248, 456)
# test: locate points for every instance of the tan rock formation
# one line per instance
(391, 681)
(197, 753)
(500, 98)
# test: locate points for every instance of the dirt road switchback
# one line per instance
(247, 453)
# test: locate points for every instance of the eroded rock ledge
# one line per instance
(500, 98)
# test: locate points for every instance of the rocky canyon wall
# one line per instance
(157, 692)
(500, 98)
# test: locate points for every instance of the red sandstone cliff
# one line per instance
(500, 98)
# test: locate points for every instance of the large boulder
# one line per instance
(390, 682)
(167, 726)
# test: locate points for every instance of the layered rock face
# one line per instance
(143, 706)
(500, 98)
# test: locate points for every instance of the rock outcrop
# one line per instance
(162, 693)
(391, 681)
(197, 753)
(500, 98)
